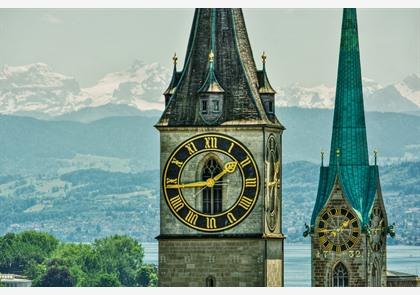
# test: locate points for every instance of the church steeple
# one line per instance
(349, 129)
(221, 32)
(351, 168)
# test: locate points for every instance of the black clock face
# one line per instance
(272, 161)
(377, 229)
(211, 182)
(338, 229)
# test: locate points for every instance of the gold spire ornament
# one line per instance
(322, 158)
(375, 154)
(211, 56)
(175, 59)
(263, 57)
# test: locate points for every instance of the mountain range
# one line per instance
(36, 90)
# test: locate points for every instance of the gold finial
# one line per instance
(175, 59)
(211, 56)
(322, 158)
(263, 57)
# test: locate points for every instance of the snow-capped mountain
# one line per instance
(401, 97)
(36, 90)
(140, 86)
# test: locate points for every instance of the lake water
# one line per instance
(297, 261)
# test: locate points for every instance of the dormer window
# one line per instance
(270, 107)
(204, 106)
(211, 95)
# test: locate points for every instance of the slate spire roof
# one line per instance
(349, 159)
(264, 86)
(175, 78)
(222, 32)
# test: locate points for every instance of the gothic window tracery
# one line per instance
(340, 276)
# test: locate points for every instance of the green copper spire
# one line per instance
(349, 129)
(349, 159)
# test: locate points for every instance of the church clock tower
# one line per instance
(220, 157)
(349, 224)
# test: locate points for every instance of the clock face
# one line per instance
(272, 162)
(377, 229)
(211, 182)
(338, 229)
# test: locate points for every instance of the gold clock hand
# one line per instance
(229, 167)
(190, 185)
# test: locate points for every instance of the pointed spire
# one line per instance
(175, 77)
(221, 31)
(322, 158)
(211, 84)
(349, 130)
(375, 155)
(264, 84)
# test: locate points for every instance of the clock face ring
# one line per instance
(183, 186)
(338, 229)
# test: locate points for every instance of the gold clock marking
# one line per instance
(211, 142)
(191, 148)
(191, 218)
(176, 162)
(177, 203)
(245, 162)
(171, 180)
(231, 217)
(211, 222)
(245, 202)
(250, 182)
(231, 147)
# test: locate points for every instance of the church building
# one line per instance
(220, 163)
(349, 223)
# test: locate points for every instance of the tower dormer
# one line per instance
(174, 81)
(211, 95)
(267, 93)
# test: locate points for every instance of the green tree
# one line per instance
(57, 275)
(20, 250)
(147, 276)
(122, 255)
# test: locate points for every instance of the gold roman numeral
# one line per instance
(211, 142)
(245, 162)
(211, 222)
(176, 203)
(176, 162)
(231, 217)
(171, 180)
(191, 148)
(191, 218)
(231, 147)
(245, 202)
(354, 239)
(250, 182)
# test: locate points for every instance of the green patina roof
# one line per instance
(351, 166)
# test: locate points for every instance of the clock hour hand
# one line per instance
(229, 167)
(188, 185)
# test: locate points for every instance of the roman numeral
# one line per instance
(176, 162)
(191, 218)
(250, 182)
(211, 222)
(245, 202)
(176, 203)
(231, 147)
(245, 162)
(231, 217)
(211, 142)
(329, 246)
(191, 148)
(353, 239)
(171, 180)
(322, 239)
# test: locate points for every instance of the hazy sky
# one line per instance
(302, 44)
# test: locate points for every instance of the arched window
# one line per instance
(212, 196)
(340, 276)
(210, 281)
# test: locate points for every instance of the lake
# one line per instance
(297, 261)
